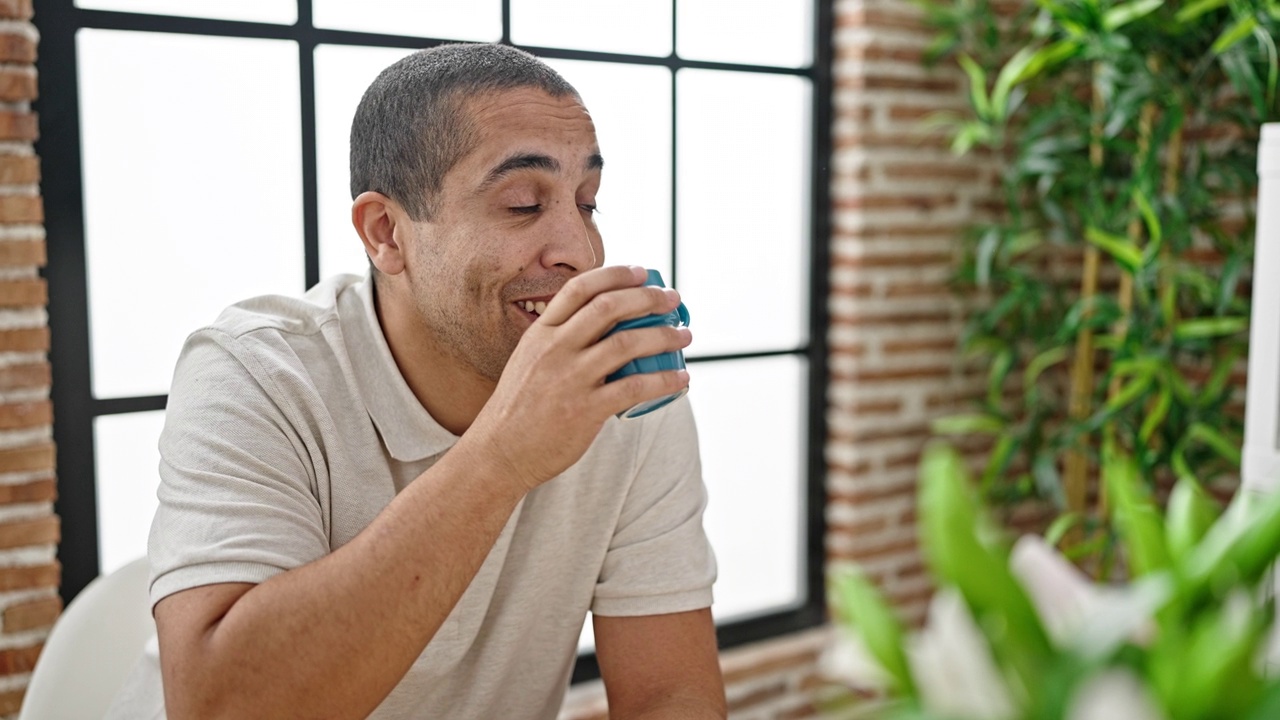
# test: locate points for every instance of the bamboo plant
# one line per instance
(1110, 300)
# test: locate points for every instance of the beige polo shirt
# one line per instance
(289, 428)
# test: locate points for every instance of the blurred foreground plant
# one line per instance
(1015, 632)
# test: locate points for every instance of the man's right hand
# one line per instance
(552, 398)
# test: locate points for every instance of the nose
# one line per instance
(572, 239)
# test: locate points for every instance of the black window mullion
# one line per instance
(307, 105)
(67, 275)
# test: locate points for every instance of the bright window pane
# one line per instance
(751, 427)
(342, 74)
(445, 19)
(631, 108)
(284, 12)
(743, 158)
(634, 27)
(757, 32)
(128, 462)
(193, 191)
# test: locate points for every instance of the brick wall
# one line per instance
(29, 531)
(898, 199)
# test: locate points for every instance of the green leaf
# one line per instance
(1202, 328)
(1189, 515)
(1000, 367)
(1060, 526)
(1149, 218)
(1239, 548)
(1136, 516)
(977, 86)
(1130, 391)
(969, 424)
(1225, 447)
(872, 620)
(1121, 15)
(999, 460)
(1216, 672)
(1042, 362)
(1241, 29)
(1156, 415)
(1008, 77)
(1122, 249)
(957, 540)
(1222, 369)
(1191, 11)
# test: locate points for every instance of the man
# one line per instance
(398, 497)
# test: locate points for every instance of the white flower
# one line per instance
(1113, 695)
(1078, 614)
(847, 660)
(953, 667)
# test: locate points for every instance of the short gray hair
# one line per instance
(411, 126)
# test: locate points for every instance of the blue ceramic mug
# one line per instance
(673, 360)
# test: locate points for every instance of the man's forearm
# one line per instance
(332, 638)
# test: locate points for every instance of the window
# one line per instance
(195, 154)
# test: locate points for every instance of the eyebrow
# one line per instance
(532, 161)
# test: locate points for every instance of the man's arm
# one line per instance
(333, 637)
(660, 666)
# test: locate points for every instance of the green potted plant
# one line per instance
(1109, 305)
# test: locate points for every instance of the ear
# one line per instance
(377, 219)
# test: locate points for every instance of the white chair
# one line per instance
(92, 648)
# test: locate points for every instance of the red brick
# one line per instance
(910, 55)
(34, 491)
(918, 203)
(19, 125)
(21, 209)
(905, 259)
(31, 375)
(941, 344)
(17, 85)
(19, 660)
(22, 253)
(918, 290)
(17, 48)
(24, 293)
(16, 416)
(890, 82)
(898, 317)
(875, 407)
(906, 547)
(11, 701)
(878, 18)
(28, 459)
(891, 374)
(19, 169)
(932, 171)
(15, 9)
(901, 141)
(24, 340)
(759, 696)
(760, 665)
(31, 615)
(24, 533)
(28, 577)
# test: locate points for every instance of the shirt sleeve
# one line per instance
(659, 560)
(238, 500)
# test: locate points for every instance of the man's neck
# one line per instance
(452, 392)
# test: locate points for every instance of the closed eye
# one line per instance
(526, 209)
(588, 208)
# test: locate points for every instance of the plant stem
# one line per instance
(1076, 466)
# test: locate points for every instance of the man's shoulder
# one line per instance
(288, 315)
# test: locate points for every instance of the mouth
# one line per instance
(532, 307)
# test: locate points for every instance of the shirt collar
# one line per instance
(407, 429)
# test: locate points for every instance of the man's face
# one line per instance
(513, 222)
